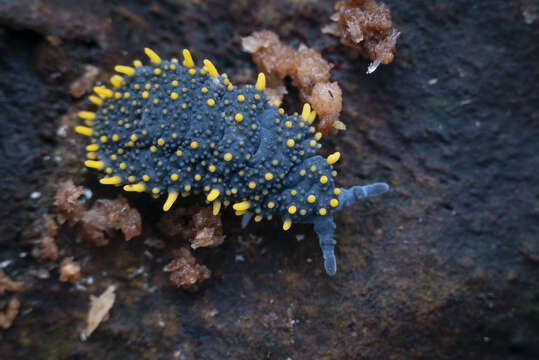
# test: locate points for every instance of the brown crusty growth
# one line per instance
(367, 26)
(185, 272)
(309, 72)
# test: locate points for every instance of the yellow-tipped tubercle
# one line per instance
(126, 70)
(188, 60)
(216, 207)
(260, 82)
(140, 187)
(172, 196)
(103, 92)
(306, 112)
(83, 130)
(99, 165)
(214, 194)
(116, 81)
(211, 68)
(287, 224)
(333, 158)
(241, 206)
(113, 180)
(154, 58)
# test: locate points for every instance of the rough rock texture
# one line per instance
(443, 267)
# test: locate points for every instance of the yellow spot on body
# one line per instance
(103, 139)
(293, 192)
(137, 63)
(292, 209)
(252, 185)
(133, 137)
(290, 142)
(179, 153)
(145, 94)
(187, 59)
(99, 165)
(211, 102)
(333, 158)
(214, 194)
(91, 155)
(114, 157)
(268, 176)
(311, 198)
(238, 117)
(123, 166)
(323, 179)
(281, 111)
(126, 70)
(131, 179)
(241, 98)
(160, 141)
(334, 202)
(227, 157)
(322, 211)
(154, 58)
(171, 198)
(271, 205)
(211, 168)
(241, 206)
(258, 218)
(287, 224)
(135, 187)
(302, 172)
(211, 68)
(288, 124)
(313, 168)
(157, 71)
(261, 82)
(194, 145)
(175, 83)
(318, 136)
(192, 71)
(187, 188)
(174, 177)
(83, 130)
(155, 190)
(146, 177)
(153, 148)
(113, 180)
(336, 191)
(174, 96)
(198, 177)
(115, 137)
(204, 90)
(312, 143)
(108, 170)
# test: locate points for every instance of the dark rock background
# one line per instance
(445, 266)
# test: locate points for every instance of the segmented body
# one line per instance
(179, 129)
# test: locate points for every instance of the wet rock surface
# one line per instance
(444, 266)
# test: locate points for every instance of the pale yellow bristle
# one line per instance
(99, 165)
(140, 187)
(241, 206)
(214, 194)
(116, 81)
(96, 100)
(287, 224)
(113, 180)
(103, 92)
(83, 130)
(333, 158)
(216, 207)
(305, 113)
(87, 115)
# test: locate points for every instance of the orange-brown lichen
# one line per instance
(198, 225)
(46, 247)
(99, 310)
(69, 270)
(85, 83)
(6, 284)
(185, 272)
(7, 317)
(308, 70)
(104, 217)
(68, 204)
(367, 26)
